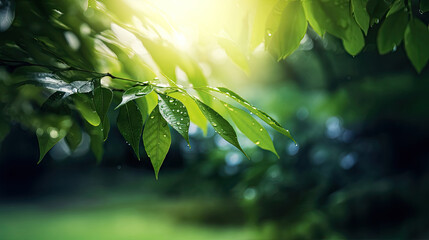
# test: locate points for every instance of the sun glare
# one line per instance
(196, 22)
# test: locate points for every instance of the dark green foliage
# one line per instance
(220, 125)
(130, 124)
(102, 99)
(391, 32)
(361, 14)
(416, 39)
(74, 136)
(50, 131)
(156, 139)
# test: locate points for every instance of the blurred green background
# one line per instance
(359, 171)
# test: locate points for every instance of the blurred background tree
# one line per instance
(359, 170)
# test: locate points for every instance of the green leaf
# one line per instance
(97, 140)
(235, 53)
(92, 4)
(164, 55)
(56, 103)
(377, 9)
(74, 136)
(220, 125)
(309, 9)
(53, 129)
(105, 128)
(360, 13)
(130, 124)
(195, 114)
(416, 43)
(398, 5)
(286, 27)
(152, 101)
(251, 128)
(134, 93)
(424, 6)
(85, 106)
(102, 100)
(142, 105)
(391, 32)
(262, 115)
(354, 41)
(175, 113)
(263, 10)
(330, 16)
(168, 58)
(156, 139)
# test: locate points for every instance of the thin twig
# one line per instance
(24, 64)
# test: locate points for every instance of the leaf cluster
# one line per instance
(282, 25)
(82, 73)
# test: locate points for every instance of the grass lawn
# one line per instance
(117, 221)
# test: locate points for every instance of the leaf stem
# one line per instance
(58, 69)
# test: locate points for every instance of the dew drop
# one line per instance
(257, 142)
(165, 135)
(39, 131)
(171, 100)
(261, 129)
(421, 11)
(214, 125)
(152, 117)
(53, 133)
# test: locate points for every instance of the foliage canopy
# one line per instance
(64, 64)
